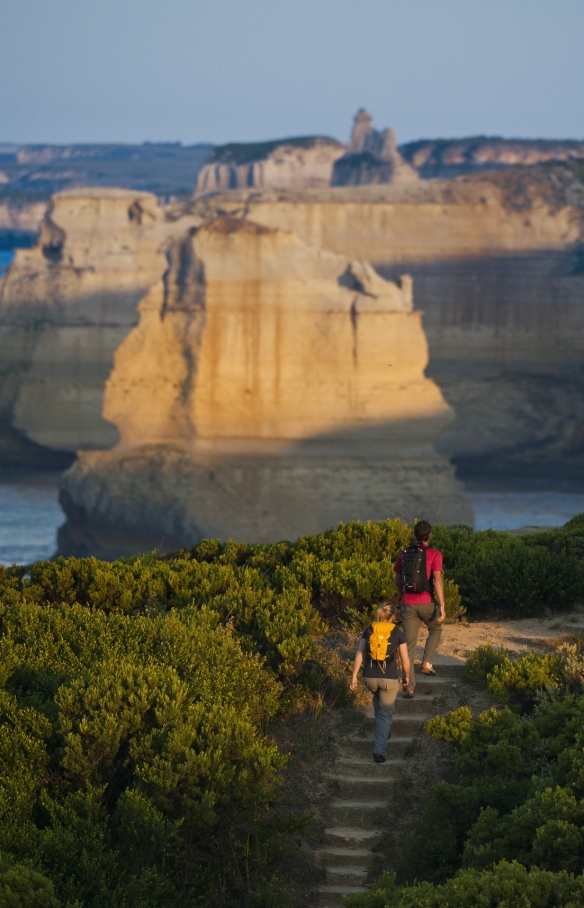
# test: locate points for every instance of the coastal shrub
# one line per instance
(506, 885)
(337, 575)
(518, 787)
(519, 682)
(515, 576)
(481, 663)
(133, 768)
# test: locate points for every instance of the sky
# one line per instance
(247, 70)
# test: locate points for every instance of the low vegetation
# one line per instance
(509, 829)
(137, 701)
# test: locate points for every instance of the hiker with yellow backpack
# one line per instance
(383, 652)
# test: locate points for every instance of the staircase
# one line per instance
(356, 818)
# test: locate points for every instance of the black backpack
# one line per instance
(413, 573)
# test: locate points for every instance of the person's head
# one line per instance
(385, 612)
(422, 531)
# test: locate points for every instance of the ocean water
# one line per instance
(512, 510)
(30, 515)
(6, 256)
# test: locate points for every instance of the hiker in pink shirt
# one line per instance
(418, 574)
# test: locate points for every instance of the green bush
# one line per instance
(132, 766)
(506, 885)
(21, 887)
(519, 788)
(519, 682)
(482, 662)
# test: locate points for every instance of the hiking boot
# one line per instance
(379, 758)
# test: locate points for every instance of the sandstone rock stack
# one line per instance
(372, 157)
(269, 390)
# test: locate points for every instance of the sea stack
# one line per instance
(269, 390)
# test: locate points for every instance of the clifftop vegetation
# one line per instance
(137, 767)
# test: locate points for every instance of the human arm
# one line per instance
(405, 661)
(439, 593)
(358, 662)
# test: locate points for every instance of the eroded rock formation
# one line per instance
(497, 262)
(269, 390)
(65, 306)
(303, 163)
(372, 157)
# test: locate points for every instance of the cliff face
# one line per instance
(19, 224)
(269, 390)
(65, 306)
(290, 164)
(496, 260)
(235, 372)
(447, 158)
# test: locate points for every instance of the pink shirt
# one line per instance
(433, 563)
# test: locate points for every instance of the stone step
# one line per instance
(352, 787)
(402, 725)
(433, 684)
(349, 765)
(351, 837)
(356, 812)
(445, 668)
(332, 896)
(346, 875)
(363, 747)
(423, 705)
(356, 857)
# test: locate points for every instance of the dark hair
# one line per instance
(422, 530)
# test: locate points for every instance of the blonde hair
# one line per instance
(386, 612)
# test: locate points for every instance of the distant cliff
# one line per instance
(299, 163)
(269, 390)
(65, 306)
(447, 158)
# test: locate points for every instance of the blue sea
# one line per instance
(30, 513)
(6, 256)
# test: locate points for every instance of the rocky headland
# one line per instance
(269, 390)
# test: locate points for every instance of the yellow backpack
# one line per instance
(378, 642)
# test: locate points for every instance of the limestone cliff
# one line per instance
(301, 163)
(65, 306)
(269, 390)
(497, 261)
(497, 264)
(19, 224)
(447, 158)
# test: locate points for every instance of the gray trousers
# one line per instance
(413, 616)
(384, 692)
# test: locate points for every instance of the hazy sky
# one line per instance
(245, 70)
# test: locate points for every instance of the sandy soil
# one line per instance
(518, 635)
